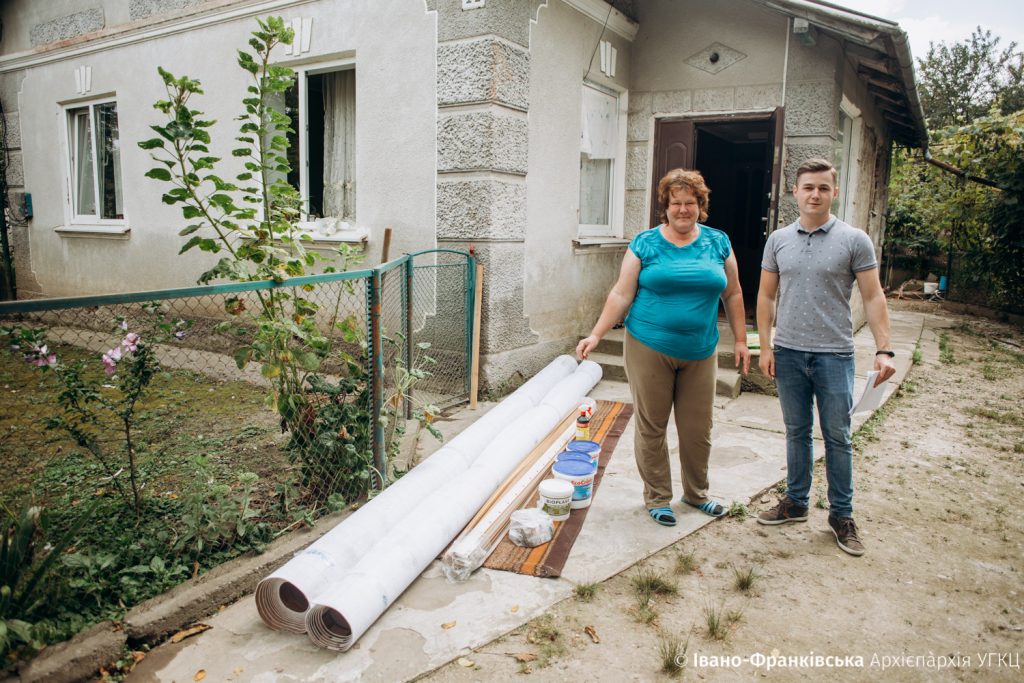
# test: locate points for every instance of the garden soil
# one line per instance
(939, 594)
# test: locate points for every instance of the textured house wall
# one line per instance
(396, 112)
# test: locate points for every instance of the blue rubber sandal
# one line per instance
(663, 516)
(709, 507)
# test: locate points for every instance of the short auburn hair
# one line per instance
(816, 166)
(679, 179)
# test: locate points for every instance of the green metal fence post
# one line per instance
(407, 293)
(470, 312)
(376, 362)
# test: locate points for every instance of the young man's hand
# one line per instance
(886, 367)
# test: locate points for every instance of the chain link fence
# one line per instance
(211, 419)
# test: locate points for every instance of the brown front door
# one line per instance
(673, 148)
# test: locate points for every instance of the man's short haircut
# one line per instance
(816, 166)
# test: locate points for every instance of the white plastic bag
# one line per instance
(530, 527)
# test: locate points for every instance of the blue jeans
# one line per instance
(802, 379)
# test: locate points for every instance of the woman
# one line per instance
(671, 279)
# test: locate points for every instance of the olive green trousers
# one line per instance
(659, 384)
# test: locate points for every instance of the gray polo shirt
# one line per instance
(816, 274)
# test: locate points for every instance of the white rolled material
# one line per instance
(283, 597)
(350, 604)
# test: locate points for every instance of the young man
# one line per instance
(811, 266)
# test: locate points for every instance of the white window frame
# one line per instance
(851, 162)
(301, 75)
(617, 186)
(76, 222)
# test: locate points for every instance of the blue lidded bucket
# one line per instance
(581, 476)
(592, 448)
(577, 456)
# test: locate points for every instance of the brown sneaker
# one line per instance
(786, 511)
(846, 534)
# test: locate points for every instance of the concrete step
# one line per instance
(728, 383)
(612, 342)
(612, 364)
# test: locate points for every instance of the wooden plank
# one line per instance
(386, 249)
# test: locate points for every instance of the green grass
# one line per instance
(718, 623)
(946, 354)
(739, 511)
(548, 638)
(1008, 417)
(685, 562)
(122, 560)
(585, 592)
(672, 650)
(745, 579)
(647, 582)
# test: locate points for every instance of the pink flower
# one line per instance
(40, 356)
(110, 359)
(131, 341)
(124, 325)
(179, 334)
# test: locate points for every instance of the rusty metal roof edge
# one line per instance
(894, 38)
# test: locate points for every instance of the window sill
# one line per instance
(599, 245)
(103, 232)
(325, 232)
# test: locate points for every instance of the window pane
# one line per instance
(595, 190)
(841, 160)
(289, 105)
(109, 163)
(83, 185)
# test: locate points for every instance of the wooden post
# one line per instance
(474, 368)
(386, 249)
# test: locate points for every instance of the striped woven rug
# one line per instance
(606, 426)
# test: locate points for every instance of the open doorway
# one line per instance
(738, 157)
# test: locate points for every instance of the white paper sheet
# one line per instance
(872, 396)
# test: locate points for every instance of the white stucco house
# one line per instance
(533, 130)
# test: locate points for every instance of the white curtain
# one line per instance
(598, 138)
(85, 186)
(339, 144)
(599, 125)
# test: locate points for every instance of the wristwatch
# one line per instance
(885, 352)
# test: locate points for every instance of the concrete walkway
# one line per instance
(434, 621)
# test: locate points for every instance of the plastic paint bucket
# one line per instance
(581, 476)
(591, 448)
(577, 456)
(555, 498)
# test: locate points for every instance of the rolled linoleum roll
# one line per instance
(349, 605)
(282, 598)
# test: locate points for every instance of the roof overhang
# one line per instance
(880, 53)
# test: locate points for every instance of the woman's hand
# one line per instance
(587, 345)
(742, 354)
